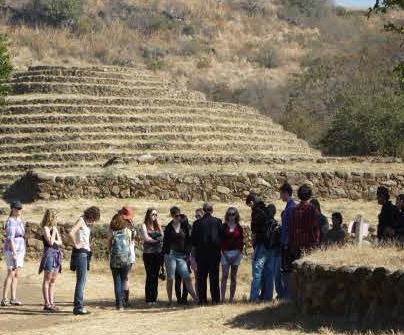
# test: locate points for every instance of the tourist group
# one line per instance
(182, 249)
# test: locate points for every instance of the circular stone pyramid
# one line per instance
(61, 118)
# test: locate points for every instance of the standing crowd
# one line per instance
(181, 249)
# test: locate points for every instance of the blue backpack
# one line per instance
(120, 251)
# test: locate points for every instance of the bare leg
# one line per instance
(190, 288)
(225, 275)
(233, 282)
(45, 287)
(14, 284)
(170, 290)
(7, 283)
(52, 288)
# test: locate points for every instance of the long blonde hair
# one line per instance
(49, 218)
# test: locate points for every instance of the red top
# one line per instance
(232, 240)
(304, 227)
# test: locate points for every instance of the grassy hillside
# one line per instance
(304, 62)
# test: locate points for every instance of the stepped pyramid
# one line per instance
(61, 118)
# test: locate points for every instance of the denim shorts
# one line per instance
(49, 264)
(231, 257)
(176, 262)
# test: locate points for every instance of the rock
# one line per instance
(125, 193)
(115, 190)
(263, 182)
(44, 196)
(223, 190)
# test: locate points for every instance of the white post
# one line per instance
(359, 230)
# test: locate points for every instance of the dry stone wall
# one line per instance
(34, 242)
(215, 186)
(360, 294)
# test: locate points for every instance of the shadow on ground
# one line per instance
(285, 316)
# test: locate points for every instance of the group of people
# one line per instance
(180, 249)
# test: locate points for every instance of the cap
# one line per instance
(16, 205)
(127, 212)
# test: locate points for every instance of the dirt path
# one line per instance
(241, 318)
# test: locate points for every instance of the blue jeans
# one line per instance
(262, 274)
(273, 275)
(80, 260)
(119, 276)
(176, 262)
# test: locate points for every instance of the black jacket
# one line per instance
(206, 235)
(169, 233)
(388, 217)
(258, 223)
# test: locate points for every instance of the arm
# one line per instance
(50, 238)
(146, 237)
(72, 234)
(241, 245)
(109, 241)
(166, 241)
(10, 231)
(58, 240)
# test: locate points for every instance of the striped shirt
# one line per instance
(304, 227)
(15, 231)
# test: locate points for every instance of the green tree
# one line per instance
(383, 6)
(5, 67)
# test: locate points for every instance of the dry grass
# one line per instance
(237, 319)
(389, 257)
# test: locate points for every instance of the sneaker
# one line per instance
(15, 302)
(81, 312)
(5, 303)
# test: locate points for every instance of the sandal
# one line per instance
(5, 303)
(54, 308)
(47, 307)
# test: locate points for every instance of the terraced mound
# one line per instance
(61, 118)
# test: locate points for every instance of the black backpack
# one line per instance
(272, 233)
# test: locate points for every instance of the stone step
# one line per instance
(140, 120)
(102, 68)
(102, 90)
(194, 137)
(94, 154)
(124, 110)
(103, 155)
(108, 146)
(185, 128)
(88, 80)
(124, 101)
(139, 75)
(190, 160)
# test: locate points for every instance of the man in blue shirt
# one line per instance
(285, 192)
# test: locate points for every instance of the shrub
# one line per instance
(367, 125)
(56, 12)
(155, 65)
(5, 66)
(310, 8)
(203, 63)
(192, 47)
(268, 56)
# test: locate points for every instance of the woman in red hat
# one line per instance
(121, 245)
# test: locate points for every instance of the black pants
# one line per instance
(208, 265)
(152, 264)
(182, 296)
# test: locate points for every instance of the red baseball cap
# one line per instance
(127, 212)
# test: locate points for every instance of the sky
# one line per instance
(355, 3)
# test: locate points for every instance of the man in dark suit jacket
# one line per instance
(206, 234)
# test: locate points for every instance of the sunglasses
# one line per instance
(232, 214)
(177, 216)
(154, 214)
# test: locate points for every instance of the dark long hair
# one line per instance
(149, 222)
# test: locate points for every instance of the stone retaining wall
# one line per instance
(363, 295)
(215, 186)
(98, 241)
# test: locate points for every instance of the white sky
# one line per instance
(356, 3)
